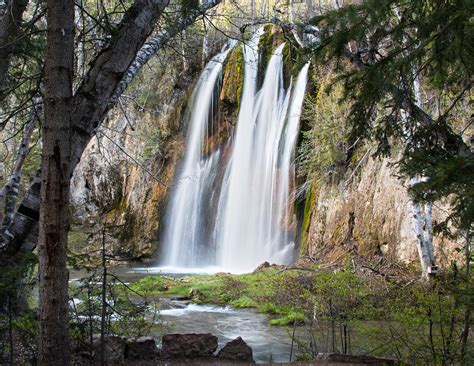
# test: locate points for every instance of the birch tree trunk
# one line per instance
(55, 185)
(422, 213)
(11, 188)
(422, 224)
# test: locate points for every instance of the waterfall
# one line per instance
(185, 231)
(236, 220)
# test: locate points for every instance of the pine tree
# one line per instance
(383, 50)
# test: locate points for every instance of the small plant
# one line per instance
(102, 304)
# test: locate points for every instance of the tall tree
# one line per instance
(70, 122)
(55, 185)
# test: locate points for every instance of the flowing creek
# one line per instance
(269, 343)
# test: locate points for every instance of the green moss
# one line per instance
(244, 302)
(251, 290)
(290, 319)
(271, 38)
(150, 285)
(274, 309)
(324, 146)
(233, 81)
(308, 211)
(265, 50)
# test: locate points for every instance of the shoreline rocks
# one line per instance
(236, 350)
(197, 348)
(191, 345)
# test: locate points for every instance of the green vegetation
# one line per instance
(388, 315)
(233, 81)
(323, 151)
(406, 72)
(289, 319)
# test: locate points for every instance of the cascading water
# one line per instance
(186, 234)
(253, 208)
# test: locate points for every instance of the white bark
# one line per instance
(205, 44)
(156, 43)
(10, 190)
(421, 218)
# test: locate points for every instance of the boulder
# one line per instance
(114, 348)
(189, 345)
(236, 350)
(144, 348)
(262, 266)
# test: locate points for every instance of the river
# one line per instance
(269, 343)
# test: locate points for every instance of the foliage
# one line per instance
(17, 280)
(428, 324)
(21, 331)
(346, 311)
(233, 80)
(18, 324)
(290, 319)
(323, 150)
(383, 51)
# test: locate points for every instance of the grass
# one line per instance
(251, 290)
(385, 315)
(289, 319)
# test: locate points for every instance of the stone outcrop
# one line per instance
(188, 345)
(236, 350)
(123, 180)
(368, 212)
(124, 175)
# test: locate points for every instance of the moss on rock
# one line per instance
(233, 80)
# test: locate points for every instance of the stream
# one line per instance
(269, 343)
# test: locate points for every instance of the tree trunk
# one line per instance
(12, 186)
(55, 185)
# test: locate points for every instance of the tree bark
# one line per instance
(156, 43)
(11, 188)
(55, 185)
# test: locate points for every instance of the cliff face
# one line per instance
(124, 177)
(120, 185)
(368, 212)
